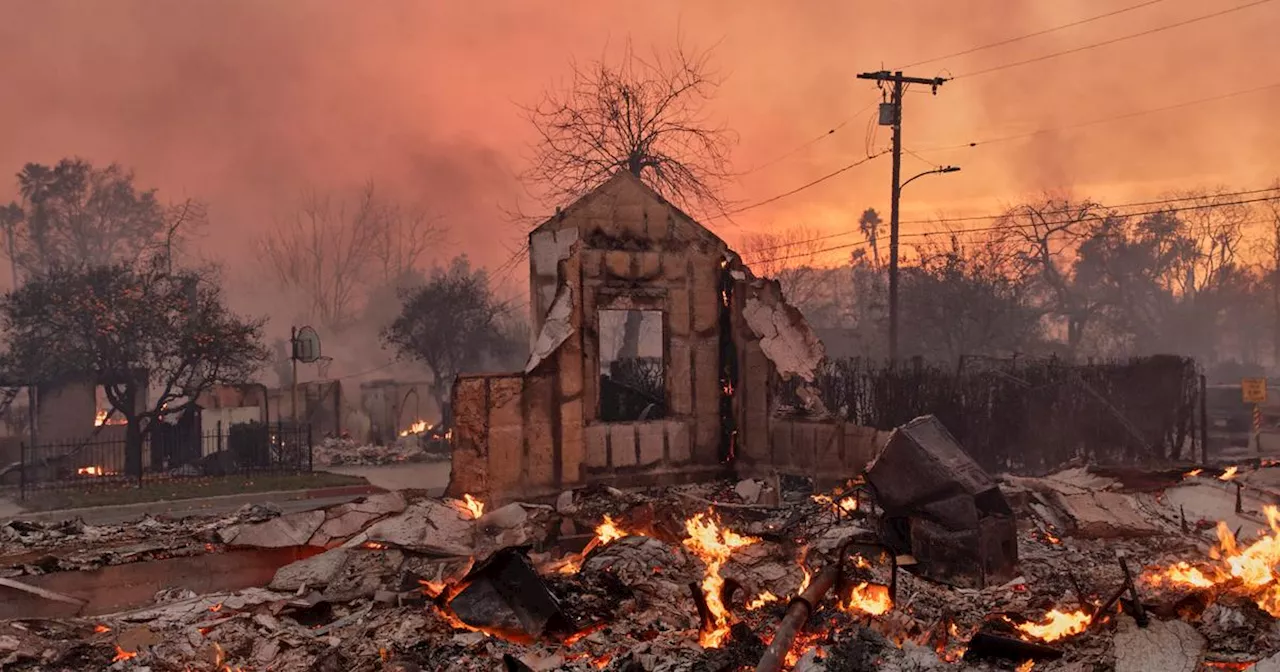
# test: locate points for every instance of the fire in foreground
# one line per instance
(1248, 571)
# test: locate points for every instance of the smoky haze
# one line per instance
(243, 104)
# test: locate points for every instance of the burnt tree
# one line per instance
(643, 115)
(453, 323)
(133, 330)
(74, 213)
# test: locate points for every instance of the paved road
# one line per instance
(432, 477)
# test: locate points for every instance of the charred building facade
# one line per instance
(657, 360)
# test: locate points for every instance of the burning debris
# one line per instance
(690, 578)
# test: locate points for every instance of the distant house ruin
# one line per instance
(656, 360)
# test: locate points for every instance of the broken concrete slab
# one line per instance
(363, 573)
(508, 517)
(1105, 515)
(749, 490)
(1169, 646)
(1271, 664)
(428, 526)
(345, 520)
(564, 503)
(294, 529)
(314, 572)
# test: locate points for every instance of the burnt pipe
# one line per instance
(728, 368)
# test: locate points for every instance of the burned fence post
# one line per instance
(1204, 419)
(310, 450)
(22, 470)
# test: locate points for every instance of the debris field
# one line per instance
(1123, 571)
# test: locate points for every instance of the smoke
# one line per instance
(243, 103)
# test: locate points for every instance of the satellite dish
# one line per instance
(306, 345)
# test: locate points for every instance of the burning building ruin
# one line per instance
(655, 361)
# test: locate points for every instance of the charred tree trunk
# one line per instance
(133, 447)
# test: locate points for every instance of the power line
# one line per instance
(1007, 226)
(1114, 40)
(807, 144)
(1038, 33)
(1137, 204)
(798, 189)
(1118, 117)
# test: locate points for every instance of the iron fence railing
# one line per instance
(1028, 415)
(248, 448)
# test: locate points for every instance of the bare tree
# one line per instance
(331, 252)
(1044, 238)
(451, 324)
(1214, 223)
(1267, 248)
(645, 116)
(790, 257)
(963, 299)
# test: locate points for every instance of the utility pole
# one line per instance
(891, 115)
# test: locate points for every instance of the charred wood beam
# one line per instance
(990, 645)
(1085, 604)
(1139, 613)
(705, 621)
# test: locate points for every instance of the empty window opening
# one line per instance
(632, 370)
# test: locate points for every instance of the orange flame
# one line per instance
(608, 531)
(121, 654)
(431, 588)
(713, 545)
(91, 471)
(1249, 571)
(1026, 666)
(762, 599)
(475, 506)
(1193, 473)
(216, 608)
(418, 427)
(867, 598)
(1184, 574)
(374, 545)
(101, 628)
(1229, 474)
(1056, 625)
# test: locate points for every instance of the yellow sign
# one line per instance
(1254, 390)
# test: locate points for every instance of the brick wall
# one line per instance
(828, 451)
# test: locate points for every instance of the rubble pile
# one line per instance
(1114, 572)
(408, 448)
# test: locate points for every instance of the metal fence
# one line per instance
(96, 462)
(1031, 415)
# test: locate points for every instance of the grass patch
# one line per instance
(170, 489)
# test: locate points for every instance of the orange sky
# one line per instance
(244, 102)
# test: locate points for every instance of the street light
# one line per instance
(937, 171)
(893, 257)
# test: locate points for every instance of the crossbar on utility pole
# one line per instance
(899, 82)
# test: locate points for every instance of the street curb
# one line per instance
(342, 491)
(274, 495)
